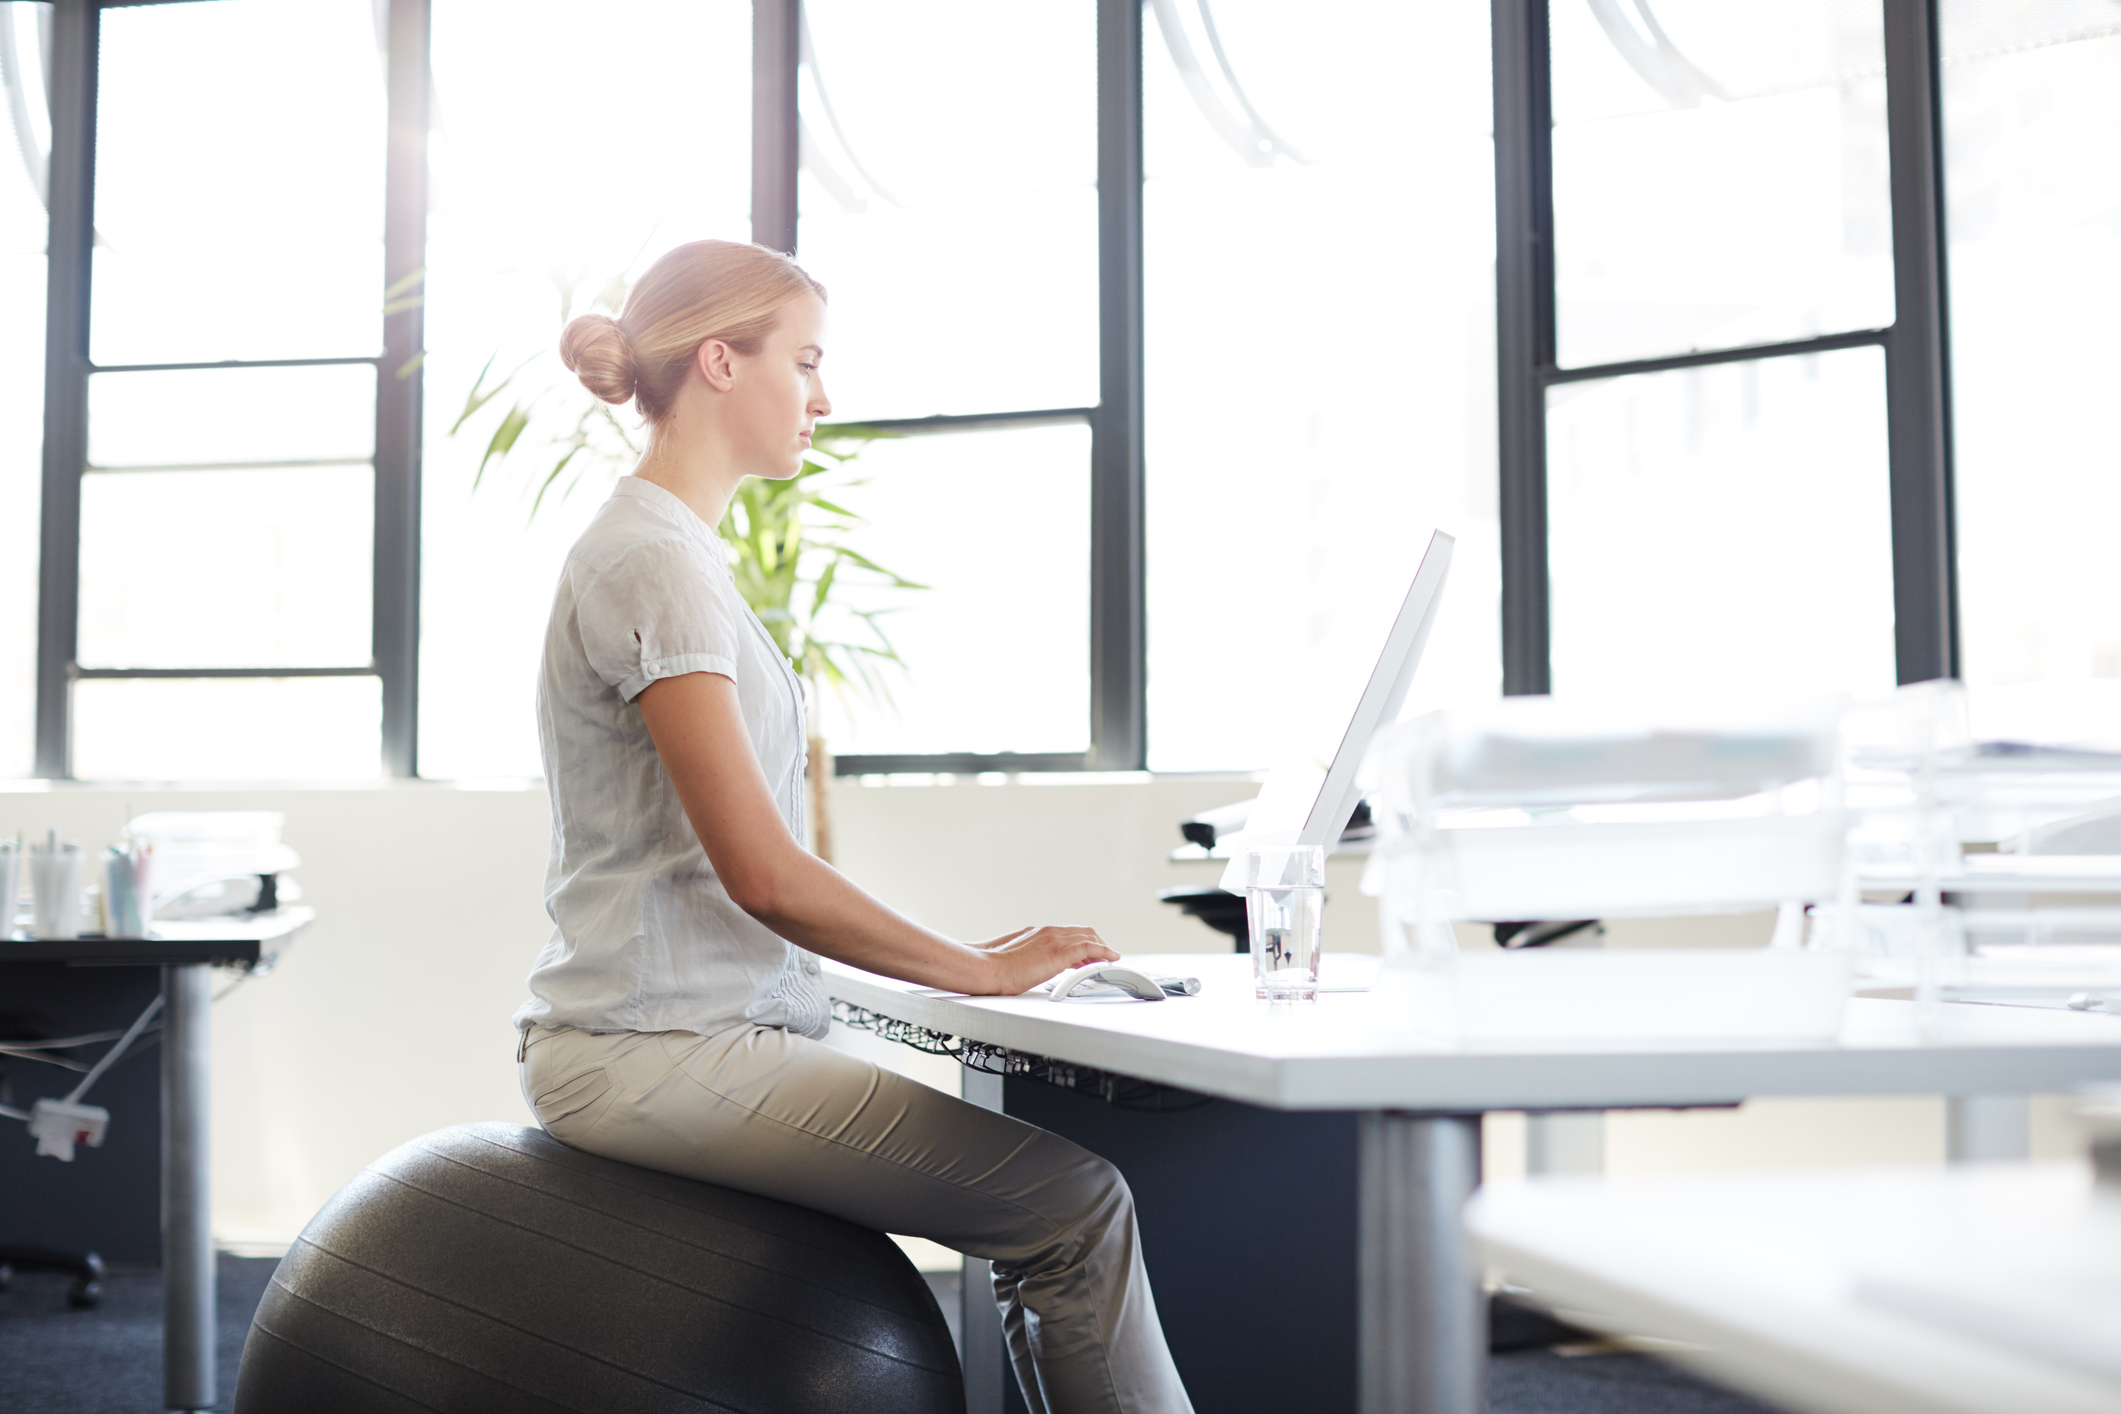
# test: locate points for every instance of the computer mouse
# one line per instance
(1139, 985)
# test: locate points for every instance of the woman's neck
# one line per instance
(688, 461)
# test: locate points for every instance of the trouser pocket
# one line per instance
(572, 1108)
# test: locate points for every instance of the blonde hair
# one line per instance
(702, 290)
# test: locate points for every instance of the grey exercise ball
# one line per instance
(491, 1268)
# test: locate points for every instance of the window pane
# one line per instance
(2032, 112)
(227, 729)
(239, 181)
(215, 417)
(949, 202)
(226, 569)
(997, 648)
(1720, 175)
(1722, 529)
(1320, 354)
(573, 145)
(23, 227)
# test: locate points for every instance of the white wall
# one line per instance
(975, 860)
(389, 1017)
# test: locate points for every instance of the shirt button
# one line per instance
(810, 966)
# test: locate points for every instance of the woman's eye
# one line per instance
(807, 367)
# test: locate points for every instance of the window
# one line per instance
(568, 151)
(1320, 310)
(210, 220)
(1180, 311)
(226, 506)
(960, 254)
(1720, 180)
(1724, 466)
(996, 522)
(24, 37)
(1720, 175)
(1725, 526)
(2032, 114)
(948, 201)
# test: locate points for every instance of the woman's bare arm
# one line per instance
(699, 732)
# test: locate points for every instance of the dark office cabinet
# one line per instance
(1259, 1314)
(108, 1200)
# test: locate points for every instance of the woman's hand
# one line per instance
(1020, 961)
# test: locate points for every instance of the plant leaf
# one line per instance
(480, 395)
(504, 441)
(897, 581)
(550, 477)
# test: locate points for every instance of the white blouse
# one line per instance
(645, 938)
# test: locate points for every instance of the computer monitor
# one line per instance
(1309, 796)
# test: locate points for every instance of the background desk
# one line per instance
(186, 953)
(1384, 1129)
(1971, 1290)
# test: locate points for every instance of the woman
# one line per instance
(673, 1015)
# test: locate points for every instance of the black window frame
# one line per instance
(1915, 345)
(395, 610)
(1118, 629)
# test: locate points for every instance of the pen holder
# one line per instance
(10, 883)
(128, 901)
(55, 886)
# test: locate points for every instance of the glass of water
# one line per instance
(1285, 905)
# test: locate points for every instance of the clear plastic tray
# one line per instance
(1610, 870)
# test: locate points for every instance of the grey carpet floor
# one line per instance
(108, 1361)
(54, 1360)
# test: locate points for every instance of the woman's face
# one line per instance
(778, 393)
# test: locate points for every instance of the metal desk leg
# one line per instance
(187, 1207)
(984, 1356)
(1424, 1321)
(983, 1349)
(1987, 1128)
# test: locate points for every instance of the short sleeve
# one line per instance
(656, 611)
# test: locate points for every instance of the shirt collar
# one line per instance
(670, 507)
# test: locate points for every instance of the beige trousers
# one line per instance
(759, 1109)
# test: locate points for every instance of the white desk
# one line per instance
(1422, 1346)
(1972, 1290)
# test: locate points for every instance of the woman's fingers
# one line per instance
(1095, 949)
(1076, 940)
(1032, 955)
(1077, 947)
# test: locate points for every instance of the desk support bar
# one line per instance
(1987, 1128)
(1424, 1322)
(984, 1347)
(187, 1208)
(1564, 1141)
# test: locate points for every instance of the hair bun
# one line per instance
(595, 350)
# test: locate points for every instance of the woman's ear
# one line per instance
(716, 362)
